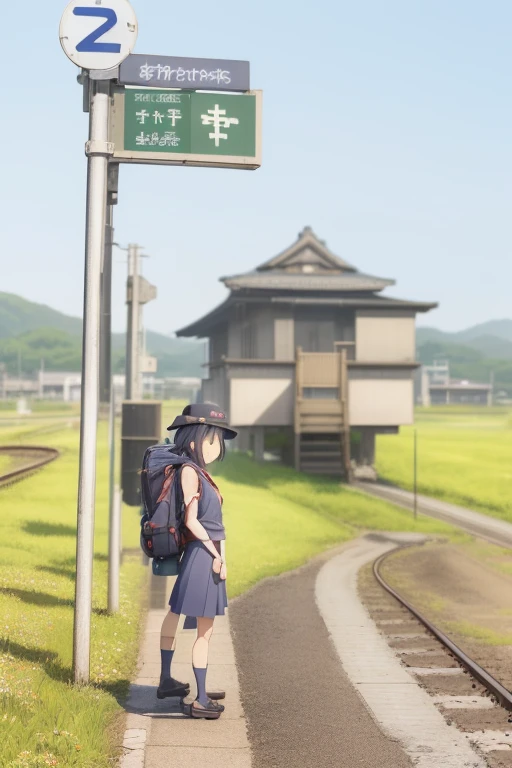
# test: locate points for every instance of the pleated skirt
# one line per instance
(194, 592)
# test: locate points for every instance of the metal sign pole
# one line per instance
(98, 150)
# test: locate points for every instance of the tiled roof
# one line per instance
(278, 279)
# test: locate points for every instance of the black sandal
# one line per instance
(211, 711)
(216, 695)
(172, 688)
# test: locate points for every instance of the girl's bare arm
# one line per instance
(190, 485)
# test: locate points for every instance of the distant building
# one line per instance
(309, 359)
(438, 373)
(65, 386)
(13, 386)
(434, 386)
(461, 392)
(59, 385)
(171, 388)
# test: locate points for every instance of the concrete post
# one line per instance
(259, 442)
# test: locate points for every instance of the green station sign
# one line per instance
(186, 128)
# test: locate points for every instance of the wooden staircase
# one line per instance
(322, 430)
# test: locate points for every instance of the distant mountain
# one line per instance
(31, 332)
(500, 328)
(18, 315)
(475, 354)
(493, 339)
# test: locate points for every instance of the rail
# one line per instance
(492, 529)
(502, 694)
(36, 456)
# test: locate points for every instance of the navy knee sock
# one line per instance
(166, 663)
(200, 674)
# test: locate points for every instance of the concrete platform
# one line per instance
(158, 734)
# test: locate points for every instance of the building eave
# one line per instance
(372, 302)
(200, 328)
(263, 362)
(292, 282)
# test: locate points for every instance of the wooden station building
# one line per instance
(310, 360)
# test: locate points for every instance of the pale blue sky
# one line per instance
(387, 128)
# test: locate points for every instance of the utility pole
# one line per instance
(41, 378)
(133, 350)
(138, 292)
(106, 286)
(19, 371)
(415, 482)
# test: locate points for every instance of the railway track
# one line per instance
(26, 459)
(469, 696)
(502, 694)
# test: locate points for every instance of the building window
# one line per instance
(248, 341)
(320, 393)
(315, 335)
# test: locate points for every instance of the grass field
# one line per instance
(45, 720)
(464, 456)
(275, 519)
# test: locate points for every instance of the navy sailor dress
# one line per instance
(194, 592)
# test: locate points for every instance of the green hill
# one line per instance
(31, 333)
(468, 363)
(493, 339)
(19, 316)
(477, 353)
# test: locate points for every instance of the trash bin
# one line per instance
(141, 426)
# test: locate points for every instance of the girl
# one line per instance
(200, 588)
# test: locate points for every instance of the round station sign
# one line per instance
(98, 34)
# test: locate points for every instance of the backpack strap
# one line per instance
(203, 473)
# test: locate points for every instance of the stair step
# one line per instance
(326, 429)
(320, 418)
(320, 454)
(319, 470)
(321, 443)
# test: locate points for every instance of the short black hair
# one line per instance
(197, 434)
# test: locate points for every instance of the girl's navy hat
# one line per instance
(204, 413)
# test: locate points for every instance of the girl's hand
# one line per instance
(217, 565)
(223, 572)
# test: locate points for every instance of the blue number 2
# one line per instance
(89, 44)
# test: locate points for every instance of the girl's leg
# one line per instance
(168, 643)
(200, 656)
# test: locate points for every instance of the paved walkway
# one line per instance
(158, 735)
(302, 709)
(491, 528)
